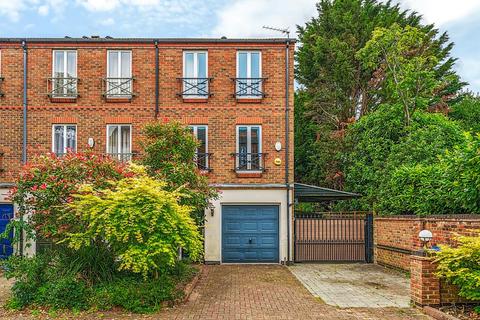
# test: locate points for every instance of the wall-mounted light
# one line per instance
(212, 212)
(278, 146)
(91, 142)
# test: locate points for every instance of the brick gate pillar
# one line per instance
(424, 285)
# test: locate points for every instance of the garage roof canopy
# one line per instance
(309, 193)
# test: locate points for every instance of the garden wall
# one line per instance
(396, 238)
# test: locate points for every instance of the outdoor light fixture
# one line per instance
(425, 236)
(91, 142)
(212, 212)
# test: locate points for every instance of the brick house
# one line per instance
(97, 93)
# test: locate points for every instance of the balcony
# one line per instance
(249, 88)
(195, 89)
(202, 160)
(122, 157)
(249, 162)
(62, 88)
(118, 88)
(1, 81)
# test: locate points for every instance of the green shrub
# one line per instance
(30, 274)
(461, 266)
(467, 113)
(63, 293)
(451, 185)
(134, 294)
(142, 222)
(169, 150)
(380, 144)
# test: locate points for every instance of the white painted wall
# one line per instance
(213, 225)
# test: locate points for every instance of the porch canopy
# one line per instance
(309, 193)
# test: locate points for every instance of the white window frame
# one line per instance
(119, 125)
(195, 71)
(64, 136)
(249, 145)
(249, 70)
(65, 67)
(195, 134)
(119, 54)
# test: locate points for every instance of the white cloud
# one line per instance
(99, 5)
(43, 10)
(11, 9)
(245, 18)
(442, 12)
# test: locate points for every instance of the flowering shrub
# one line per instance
(47, 184)
(143, 224)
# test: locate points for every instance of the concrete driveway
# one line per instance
(355, 285)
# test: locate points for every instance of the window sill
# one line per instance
(249, 100)
(195, 100)
(118, 100)
(63, 99)
(249, 174)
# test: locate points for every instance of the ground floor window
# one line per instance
(119, 141)
(201, 155)
(64, 138)
(249, 148)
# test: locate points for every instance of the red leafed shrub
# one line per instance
(47, 183)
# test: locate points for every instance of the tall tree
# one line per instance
(405, 61)
(338, 88)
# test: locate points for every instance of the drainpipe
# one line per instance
(24, 144)
(287, 164)
(157, 90)
(24, 137)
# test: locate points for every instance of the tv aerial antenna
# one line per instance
(282, 30)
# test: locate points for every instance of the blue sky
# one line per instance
(215, 18)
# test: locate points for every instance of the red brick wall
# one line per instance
(426, 288)
(396, 237)
(91, 112)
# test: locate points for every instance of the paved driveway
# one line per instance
(248, 292)
(267, 292)
(355, 285)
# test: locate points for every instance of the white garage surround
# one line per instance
(250, 196)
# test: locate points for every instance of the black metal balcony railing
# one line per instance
(1, 80)
(118, 87)
(122, 157)
(249, 161)
(195, 87)
(202, 160)
(249, 88)
(62, 87)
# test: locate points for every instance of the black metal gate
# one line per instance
(334, 237)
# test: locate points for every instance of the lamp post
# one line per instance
(425, 236)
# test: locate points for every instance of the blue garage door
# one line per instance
(249, 233)
(6, 214)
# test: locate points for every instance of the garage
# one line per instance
(250, 234)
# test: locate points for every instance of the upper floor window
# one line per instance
(195, 74)
(119, 141)
(249, 155)
(249, 75)
(64, 77)
(64, 138)
(119, 81)
(201, 155)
